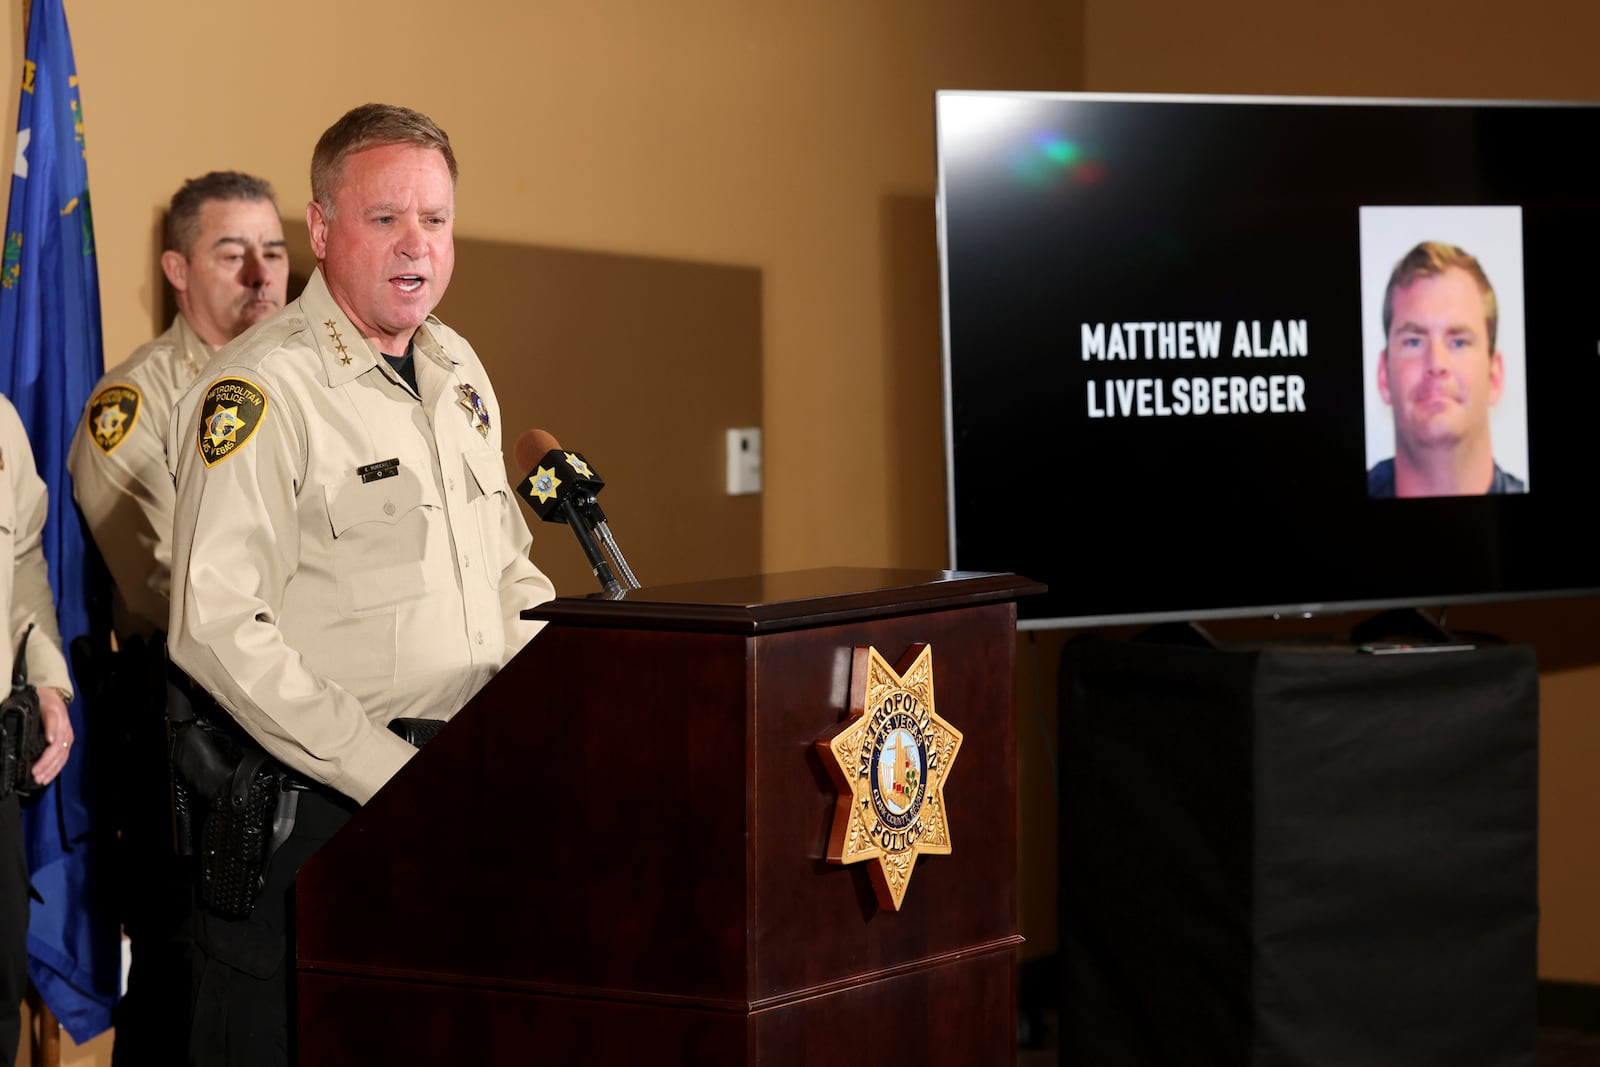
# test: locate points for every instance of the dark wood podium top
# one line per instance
(790, 600)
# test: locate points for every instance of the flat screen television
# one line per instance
(1173, 389)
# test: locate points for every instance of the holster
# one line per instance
(236, 837)
(235, 804)
(416, 731)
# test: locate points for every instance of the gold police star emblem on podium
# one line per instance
(890, 761)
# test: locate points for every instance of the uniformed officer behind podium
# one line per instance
(228, 266)
(347, 550)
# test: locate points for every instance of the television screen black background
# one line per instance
(1079, 210)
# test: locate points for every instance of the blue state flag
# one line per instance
(50, 357)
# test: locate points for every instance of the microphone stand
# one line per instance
(596, 521)
(591, 550)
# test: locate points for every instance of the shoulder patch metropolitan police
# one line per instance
(229, 414)
(112, 413)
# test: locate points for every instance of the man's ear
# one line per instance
(1497, 376)
(176, 268)
(1383, 377)
(317, 224)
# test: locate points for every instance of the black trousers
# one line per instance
(13, 927)
(155, 899)
(243, 969)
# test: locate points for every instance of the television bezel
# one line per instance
(1308, 609)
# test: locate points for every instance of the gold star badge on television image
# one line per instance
(890, 761)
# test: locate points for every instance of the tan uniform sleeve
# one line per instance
(30, 599)
(126, 497)
(235, 548)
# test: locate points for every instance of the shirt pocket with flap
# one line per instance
(380, 531)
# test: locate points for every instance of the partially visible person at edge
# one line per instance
(26, 601)
(1441, 371)
(225, 258)
(347, 550)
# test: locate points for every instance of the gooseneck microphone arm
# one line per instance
(616, 554)
(596, 520)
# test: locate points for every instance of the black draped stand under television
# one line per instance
(1299, 855)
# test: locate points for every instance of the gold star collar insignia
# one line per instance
(890, 761)
(338, 341)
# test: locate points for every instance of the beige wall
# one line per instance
(1486, 49)
(783, 137)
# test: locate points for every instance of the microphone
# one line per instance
(561, 487)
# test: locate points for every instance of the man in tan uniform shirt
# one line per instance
(347, 549)
(226, 261)
(25, 600)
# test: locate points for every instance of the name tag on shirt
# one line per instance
(384, 468)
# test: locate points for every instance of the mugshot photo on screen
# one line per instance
(1444, 362)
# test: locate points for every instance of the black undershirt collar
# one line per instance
(405, 366)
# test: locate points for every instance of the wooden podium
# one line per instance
(615, 853)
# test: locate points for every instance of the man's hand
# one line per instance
(57, 735)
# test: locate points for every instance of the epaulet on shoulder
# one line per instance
(441, 331)
(144, 352)
(249, 347)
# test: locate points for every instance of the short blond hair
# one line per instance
(1431, 259)
(371, 126)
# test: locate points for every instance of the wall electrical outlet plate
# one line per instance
(744, 461)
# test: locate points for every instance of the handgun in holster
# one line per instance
(22, 739)
(232, 807)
